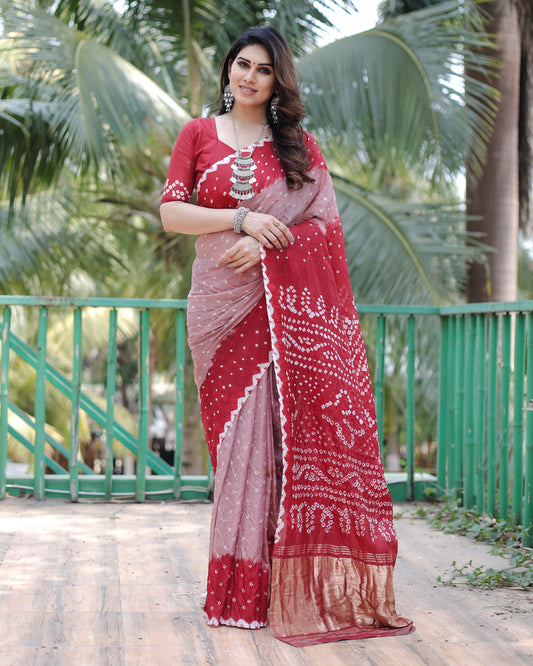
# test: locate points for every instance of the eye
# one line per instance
(265, 70)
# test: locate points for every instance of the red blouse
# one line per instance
(196, 149)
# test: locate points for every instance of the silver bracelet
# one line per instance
(238, 219)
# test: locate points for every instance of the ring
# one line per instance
(276, 223)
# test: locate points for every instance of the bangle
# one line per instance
(238, 219)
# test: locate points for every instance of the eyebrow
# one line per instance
(261, 64)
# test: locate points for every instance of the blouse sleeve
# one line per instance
(179, 184)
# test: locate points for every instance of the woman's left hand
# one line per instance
(243, 255)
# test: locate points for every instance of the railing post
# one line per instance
(40, 406)
(410, 405)
(379, 381)
(144, 406)
(492, 402)
(4, 398)
(110, 406)
(180, 391)
(480, 412)
(460, 403)
(505, 381)
(451, 404)
(469, 369)
(527, 536)
(75, 405)
(518, 420)
(442, 424)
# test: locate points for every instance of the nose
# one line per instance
(250, 74)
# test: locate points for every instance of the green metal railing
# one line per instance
(162, 479)
(485, 441)
(485, 405)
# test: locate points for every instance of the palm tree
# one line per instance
(391, 8)
(395, 163)
(498, 195)
(498, 200)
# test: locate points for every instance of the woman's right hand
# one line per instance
(267, 229)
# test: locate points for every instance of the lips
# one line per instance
(246, 91)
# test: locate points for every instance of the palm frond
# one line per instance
(93, 103)
(403, 252)
(141, 44)
(395, 95)
(41, 243)
(301, 22)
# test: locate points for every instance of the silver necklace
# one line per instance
(243, 168)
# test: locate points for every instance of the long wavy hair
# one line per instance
(287, 134)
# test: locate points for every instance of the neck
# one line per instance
(249, 116)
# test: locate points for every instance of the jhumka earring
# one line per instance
(274, 109)
(228, 98)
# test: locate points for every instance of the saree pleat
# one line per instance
(244, 514)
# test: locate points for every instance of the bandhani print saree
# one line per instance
(302, 536)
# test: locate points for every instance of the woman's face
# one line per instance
(251, 76)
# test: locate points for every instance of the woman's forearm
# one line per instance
(186, 218)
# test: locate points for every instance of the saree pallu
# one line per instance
(301, 534)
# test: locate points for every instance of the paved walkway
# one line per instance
(121, 584)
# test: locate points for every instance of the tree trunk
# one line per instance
(194, 74)
(494, 197)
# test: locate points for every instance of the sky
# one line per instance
(349, 24)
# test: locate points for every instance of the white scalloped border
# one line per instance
(214, 167)
(226, 160)
(283, 420)
(255, 380)
(230, 622)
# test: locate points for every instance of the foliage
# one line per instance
(519, 573)
(454, 518)
(84, 107)
(390, 8)
(422, 60)
(395, 164)
(218, 23)
(504, 536)
(41, 241)
(525, 273)
(423, 246)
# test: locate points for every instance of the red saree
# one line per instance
(302, 531)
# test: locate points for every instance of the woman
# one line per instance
(302, 517)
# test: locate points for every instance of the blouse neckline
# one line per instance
(268, 137)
